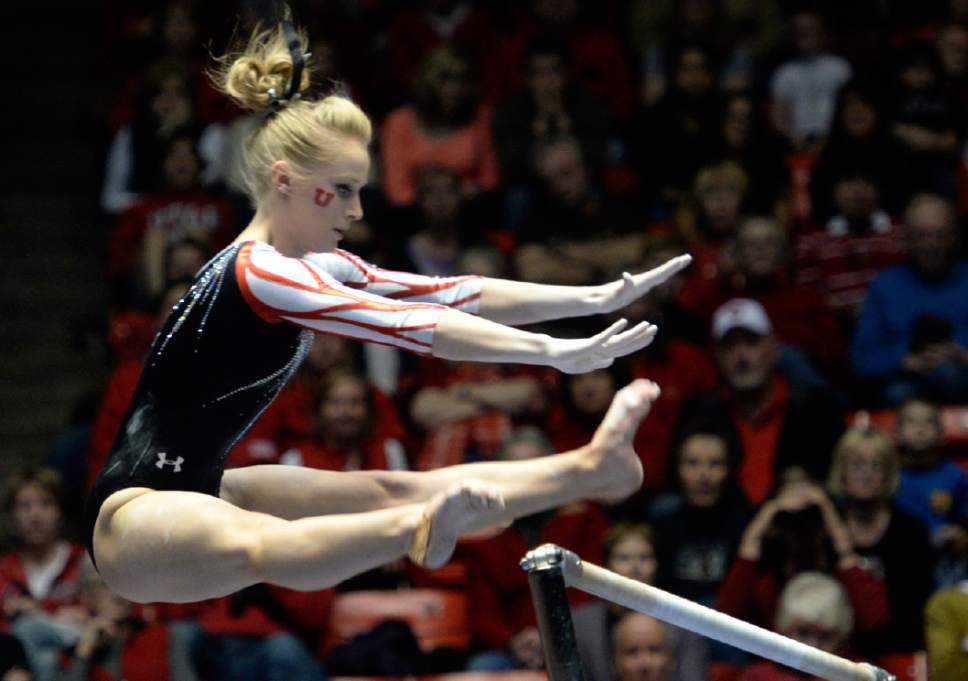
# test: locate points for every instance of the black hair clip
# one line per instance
(276, 103)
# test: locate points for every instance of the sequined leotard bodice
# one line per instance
(234, 340)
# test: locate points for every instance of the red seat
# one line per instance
(905, 666)
(724, 671)
(437, 617)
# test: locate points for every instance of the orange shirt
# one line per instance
(759, 438)
(405, 150)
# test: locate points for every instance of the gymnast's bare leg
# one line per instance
(182, 546)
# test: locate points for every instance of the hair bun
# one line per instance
(263, 64)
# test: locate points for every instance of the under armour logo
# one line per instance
(163, 461)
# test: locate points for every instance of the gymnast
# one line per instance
(165, 522)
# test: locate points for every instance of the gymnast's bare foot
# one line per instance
(615, 465)
(466, 506)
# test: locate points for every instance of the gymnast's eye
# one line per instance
(344, 190)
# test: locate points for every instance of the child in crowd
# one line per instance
(931, 487)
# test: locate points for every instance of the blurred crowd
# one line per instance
(802, 469)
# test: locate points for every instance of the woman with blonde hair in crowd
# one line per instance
(165, 522)
(863, 477)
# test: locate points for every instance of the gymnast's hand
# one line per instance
(617, 294)
(581, 355)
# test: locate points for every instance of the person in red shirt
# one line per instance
(444, 127)
(350, 434)
(842, 256)
(39, 586)
(782, 424)
(799, 530)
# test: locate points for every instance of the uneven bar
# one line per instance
(706, 621)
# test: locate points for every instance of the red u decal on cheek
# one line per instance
(323, 197)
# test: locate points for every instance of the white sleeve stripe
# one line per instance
(350, 331)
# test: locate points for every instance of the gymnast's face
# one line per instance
(320, 208)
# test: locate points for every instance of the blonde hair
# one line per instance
(303, 132)
(855, 439)
(816, 598)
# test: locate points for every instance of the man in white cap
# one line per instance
(781, 425)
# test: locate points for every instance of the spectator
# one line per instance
(642, 650)
(763, 272)
(746, 139)
(782, 424)
(630, 552)
(814, 609)
(446, 126)
(293, 417)
(858, 241)
(466, 409)
(804, 89)
(504, 624)
(860, 140)
(261, 632)
(926, 123)
(177, 210)
(736, 33)
(932, 488)
(550, 107)
(417, 31)
(594, 47)
(946, 619)
(349, 433)
(135, 158)
(864, 476)
(39, 587)
(672, 140)
(446, 225)
(572, 234)
(699, 522)
(708, 221)
(912, 336)
(106, 649)
(951, 44)
(799, 530)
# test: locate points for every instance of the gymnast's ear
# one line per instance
(281, 177)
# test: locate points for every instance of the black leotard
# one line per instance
(223, 355)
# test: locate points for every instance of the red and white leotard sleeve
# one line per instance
(462, 293)
(310, 292)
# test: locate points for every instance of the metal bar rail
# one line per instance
(550, 568)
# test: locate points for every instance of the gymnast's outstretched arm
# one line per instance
(499, 300)
(306, 292)
(517, 302)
